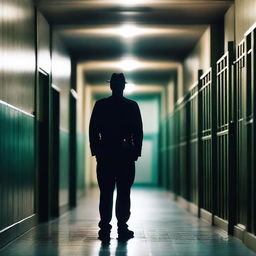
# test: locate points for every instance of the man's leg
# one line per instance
(106, 181)
(125, 179)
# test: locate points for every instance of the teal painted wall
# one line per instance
(17, 165)
(64, 167)
(80, 163)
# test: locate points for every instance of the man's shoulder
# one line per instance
(101, 101)
(105, 101)
(131, 102)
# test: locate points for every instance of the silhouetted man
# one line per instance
(116, 140)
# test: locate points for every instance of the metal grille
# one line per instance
(182, 109)
(171, 151)
(241, 134)
(193, 143)
(253, 175)
(205, 94)
(223, 101)
(176, 162)
(249, 125)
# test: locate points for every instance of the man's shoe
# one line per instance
(125, 234)
(104, 236)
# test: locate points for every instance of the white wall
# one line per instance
(199, 58)
(147, 164)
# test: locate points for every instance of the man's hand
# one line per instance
(136, 158)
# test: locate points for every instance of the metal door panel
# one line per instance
(206, 138)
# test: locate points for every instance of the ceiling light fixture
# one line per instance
(132, 2)
(128, 31)
(128, 64)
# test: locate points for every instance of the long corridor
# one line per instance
(187, 71)
(162, 228)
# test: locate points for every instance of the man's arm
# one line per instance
(137, 131)
(94, 129)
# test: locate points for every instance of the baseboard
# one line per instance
(63, 209)
(10, 233)
(189, 206)
(250, 240)
(193, 208)
(239, 231)
(219, 222)
(207, 216)
(183, 202)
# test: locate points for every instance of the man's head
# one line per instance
(117, 83)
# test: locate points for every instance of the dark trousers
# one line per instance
(109, 174)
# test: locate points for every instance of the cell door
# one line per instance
(205, 95)
(250, 37)
(241, 175)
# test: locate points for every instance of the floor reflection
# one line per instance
(104, 249)
(161, 228)
(120, 249)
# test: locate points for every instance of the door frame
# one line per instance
(42, 145)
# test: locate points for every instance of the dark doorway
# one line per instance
(55, 149)
(72, 149)
(42, 130)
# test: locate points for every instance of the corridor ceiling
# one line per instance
(143, 38)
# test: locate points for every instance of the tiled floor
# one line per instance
(161, 229)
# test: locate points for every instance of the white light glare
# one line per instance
(132, 2)
(128, 31)
(12, 12)
(128, 64)
(129, 88)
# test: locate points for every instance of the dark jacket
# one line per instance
(116, 128)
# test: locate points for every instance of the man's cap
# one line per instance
(117, 78)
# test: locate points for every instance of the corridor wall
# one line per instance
(61, 75)
(17, 81)
(220, 148)
(29, 46)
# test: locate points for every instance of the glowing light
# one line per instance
(132, 2)
(128, 64)
(12, 12)
(128, 31)
(129, 88)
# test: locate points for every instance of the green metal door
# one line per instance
(224, 151)
(250, 123)
(183, 145)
